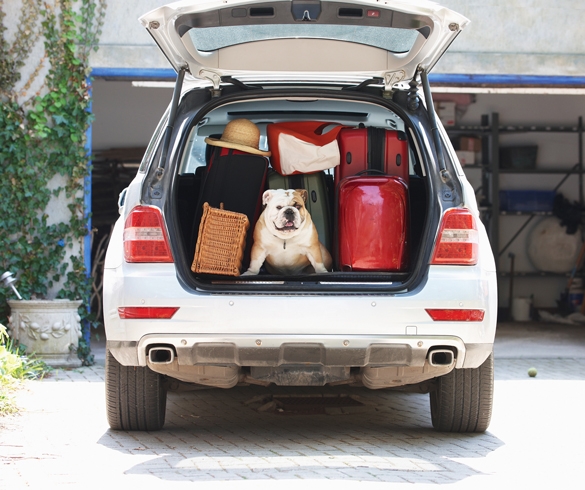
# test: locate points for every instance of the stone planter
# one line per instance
(50, 329)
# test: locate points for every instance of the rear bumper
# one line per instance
(300, 361)
(273, 351)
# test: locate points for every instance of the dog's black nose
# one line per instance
(289, 213)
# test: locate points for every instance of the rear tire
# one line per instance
(463, 399)
(136, 397)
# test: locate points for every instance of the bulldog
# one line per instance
(285, 238)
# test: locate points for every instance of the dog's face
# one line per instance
(285, 213)
(285, 238)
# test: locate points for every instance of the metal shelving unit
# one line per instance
(490, 131)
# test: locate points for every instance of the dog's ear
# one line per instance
(304, 194)
(267, 196)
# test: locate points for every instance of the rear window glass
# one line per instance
(390, 39)
(195, 152)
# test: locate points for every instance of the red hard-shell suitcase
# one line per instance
(380, 149)
(373, 224)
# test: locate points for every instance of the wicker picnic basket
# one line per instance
(221, 242)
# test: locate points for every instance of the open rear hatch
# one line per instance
(304, 39)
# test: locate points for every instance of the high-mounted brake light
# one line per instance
(146, 312)
(455, 315)
(457, 241)
(145, 238)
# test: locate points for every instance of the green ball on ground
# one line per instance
(532, 372)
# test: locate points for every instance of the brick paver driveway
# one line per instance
(342, 438)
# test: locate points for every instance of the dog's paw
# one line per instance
(250, 273)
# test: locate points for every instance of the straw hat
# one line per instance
(240, 134)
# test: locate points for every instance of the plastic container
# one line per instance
(518, 157)
(550, 248)
(576, 294)
(527, 201)
(521, 309)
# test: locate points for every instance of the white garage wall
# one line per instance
(519, 37)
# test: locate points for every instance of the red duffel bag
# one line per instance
(303, 147)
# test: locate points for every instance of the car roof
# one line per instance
(282, 40)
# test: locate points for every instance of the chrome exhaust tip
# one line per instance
(441, 357)
(161, 355)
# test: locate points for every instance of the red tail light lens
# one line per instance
(455, 315)
(145, 238)
(146, 312)
(457, 241)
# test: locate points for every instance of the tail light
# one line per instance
(145, 238)
(455, 315)
(146, 312)
(457, 241)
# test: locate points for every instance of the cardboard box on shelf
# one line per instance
(446, 112)
(466, 157)
(470, 143)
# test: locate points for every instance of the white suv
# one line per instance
(428, 327)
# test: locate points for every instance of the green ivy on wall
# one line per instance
(43, 155)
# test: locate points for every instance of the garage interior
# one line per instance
(535, 133)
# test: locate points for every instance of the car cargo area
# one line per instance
(325, 192)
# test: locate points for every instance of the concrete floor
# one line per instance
(219, 440)
(539, 340)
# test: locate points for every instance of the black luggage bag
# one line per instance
(236, 179)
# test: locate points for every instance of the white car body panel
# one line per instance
(385, 318)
